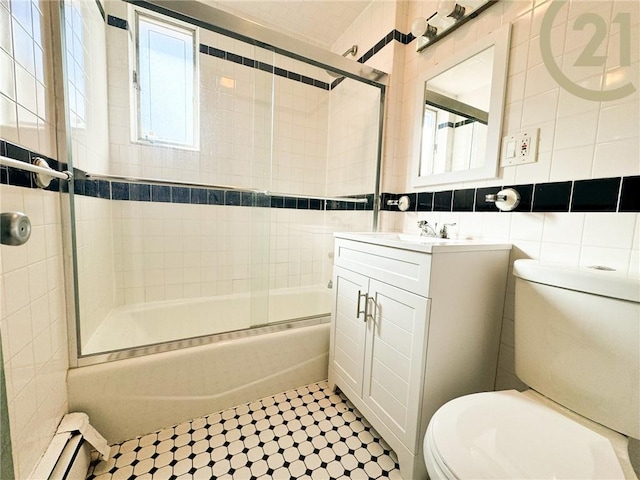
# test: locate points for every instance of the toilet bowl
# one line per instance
(510, 434)
(577, 344)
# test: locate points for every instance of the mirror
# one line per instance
(459, 116)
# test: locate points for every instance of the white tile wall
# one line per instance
(33, 326)
(256, 131)
(578, 139)
(87, 84)
(32, 295)
(26, 79)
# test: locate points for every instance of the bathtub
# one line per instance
(131, 326)
(132, 397)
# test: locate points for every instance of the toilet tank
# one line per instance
(577, 340)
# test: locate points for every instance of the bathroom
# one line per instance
(59, 275)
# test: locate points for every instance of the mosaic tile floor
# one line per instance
(307, 433)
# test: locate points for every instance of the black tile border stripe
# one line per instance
(266, 67)
(117, 22)
(614, 194)
(393, 35)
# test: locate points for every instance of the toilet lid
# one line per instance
(509, 435)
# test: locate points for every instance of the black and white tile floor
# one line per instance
(307, 433)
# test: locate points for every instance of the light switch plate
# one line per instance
(520, 148)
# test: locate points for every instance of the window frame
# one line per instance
(136, 117)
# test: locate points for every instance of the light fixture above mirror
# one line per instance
(448, 16)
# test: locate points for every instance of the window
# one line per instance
(165, 82)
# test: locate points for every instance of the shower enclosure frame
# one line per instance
(223, 23)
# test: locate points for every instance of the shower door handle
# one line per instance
(366, 300)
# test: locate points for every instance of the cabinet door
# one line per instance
(349, 327)
(395, 358)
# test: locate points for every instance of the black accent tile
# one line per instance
(294, 76)
(526, 197)
(104, 189)
(281, 72)
(277, 202)
(54, 185)
(199, 196)
(597, 195)
(204, 49)
(630, 195)
(91, 188)
(216, 52)
(248, 62)
(397, 35)
(17, 153)
(180, 195)
(232, 57)
(481, 204)
(321, 84)
(336, 82)
(117, 22)
(265, 67)
(378, 46)
(552, 197)
(390, 36)
(140, 192)
(247, 199)
(290, 202)
(263, 200)
(413, 201)
(160, 193)
(384, 201)
(4, 175)
(119, 191)
(232, 198)
(316, 204)
(302, 204)
(463, 200)
(424, 202)
(17, 177)
(335, 205)
(215, 197)
(442, 201)
(78, 186)
(370, 201)
(306, 80)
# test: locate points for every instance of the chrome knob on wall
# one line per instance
(505, 200)
(15, 228)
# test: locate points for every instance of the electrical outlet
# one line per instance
(520, 148)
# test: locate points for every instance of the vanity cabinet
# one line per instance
(415, 323)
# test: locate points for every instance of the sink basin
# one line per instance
(408, 241)
(405, 237)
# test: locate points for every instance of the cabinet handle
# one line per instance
(358, 311)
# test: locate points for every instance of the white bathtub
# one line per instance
(131, 397)
(131, 326)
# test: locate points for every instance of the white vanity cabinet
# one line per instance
(415, 322)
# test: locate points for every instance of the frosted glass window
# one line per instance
(166, 72)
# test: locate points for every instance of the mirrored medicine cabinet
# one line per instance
(459, 115)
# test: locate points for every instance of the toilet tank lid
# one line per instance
(593, 280)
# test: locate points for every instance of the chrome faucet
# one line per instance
(426, 229)
(444, 233)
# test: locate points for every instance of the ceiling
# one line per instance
(320, 22)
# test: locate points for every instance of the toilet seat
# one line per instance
(514, 435)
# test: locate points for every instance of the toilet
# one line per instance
(577, 346)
